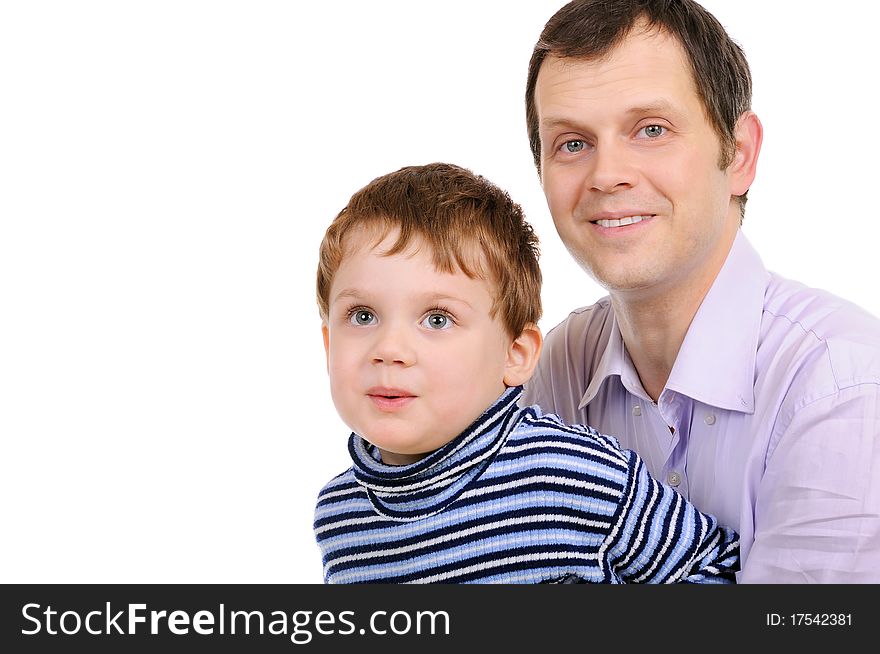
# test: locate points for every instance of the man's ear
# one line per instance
(522, 356)
(326, 334)
(749, 134)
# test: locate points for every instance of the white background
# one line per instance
(167, 170)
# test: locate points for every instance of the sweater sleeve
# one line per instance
(660, 537)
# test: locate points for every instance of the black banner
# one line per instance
(314, 618)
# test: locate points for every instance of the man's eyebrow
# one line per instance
(552, 123)
(658, 107)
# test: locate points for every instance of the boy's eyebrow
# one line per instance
(434, 298)
(429, 297)
(347, 292)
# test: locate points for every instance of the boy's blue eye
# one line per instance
(437, 321)
(362, 317)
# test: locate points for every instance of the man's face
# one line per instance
(414, 354)
(630, 167)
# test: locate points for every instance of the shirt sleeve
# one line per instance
(559, 380)
(537, 388)
(817, 509)
(660, 537)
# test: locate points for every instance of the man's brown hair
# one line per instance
(589, 29)
(468, 223)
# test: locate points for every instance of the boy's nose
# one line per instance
(393, 347)
(392, 357)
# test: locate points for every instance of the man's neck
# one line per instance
(653, 331)
(654, 322)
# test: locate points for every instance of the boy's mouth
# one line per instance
(389, 399)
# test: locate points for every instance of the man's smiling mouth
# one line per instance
(621, 222)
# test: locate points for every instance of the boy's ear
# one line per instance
(522, 356)
(326, 334)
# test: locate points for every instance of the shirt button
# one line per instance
(710, 420)
(637, 410)
(673, 479)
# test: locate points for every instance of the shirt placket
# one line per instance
(674, 413)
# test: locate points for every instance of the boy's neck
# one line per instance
(395, 459)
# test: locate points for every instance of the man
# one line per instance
(756, 397)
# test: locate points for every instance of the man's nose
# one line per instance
(611, 168)
(394, 346)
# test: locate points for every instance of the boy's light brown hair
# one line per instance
(469, 224)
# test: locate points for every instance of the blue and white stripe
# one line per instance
(519, 497)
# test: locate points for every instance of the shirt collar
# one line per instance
(615, 361)
(716, 362)
(427, 486)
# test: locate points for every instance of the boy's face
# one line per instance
(414, 355)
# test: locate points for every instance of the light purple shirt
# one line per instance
(775, 402)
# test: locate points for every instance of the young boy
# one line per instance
(429, 292)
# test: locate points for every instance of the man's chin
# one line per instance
(620, 280)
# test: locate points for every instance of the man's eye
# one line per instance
(573, 146)
(362, 317)
(437, 321)
(653, 131)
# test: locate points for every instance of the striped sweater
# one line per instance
(519, 497)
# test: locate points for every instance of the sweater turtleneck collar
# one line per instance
(426, 487)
